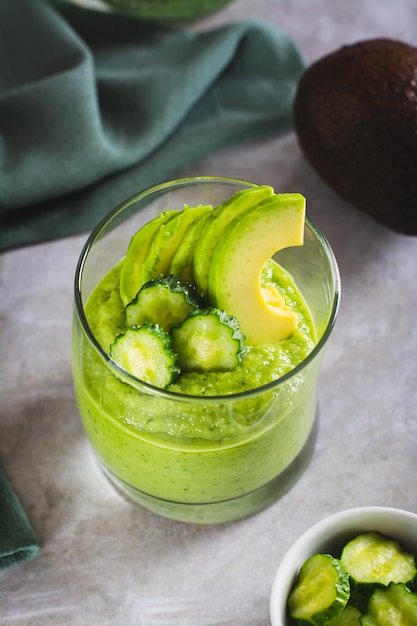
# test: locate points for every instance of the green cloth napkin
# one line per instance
(18, 541)
(96, 106)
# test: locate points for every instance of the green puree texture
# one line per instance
(197, 449)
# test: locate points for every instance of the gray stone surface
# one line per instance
(106, 562)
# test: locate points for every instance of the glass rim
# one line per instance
(139, 384)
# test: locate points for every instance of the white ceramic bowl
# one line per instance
(330, 535)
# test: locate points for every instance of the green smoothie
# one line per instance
(212, 442)
(198, 450)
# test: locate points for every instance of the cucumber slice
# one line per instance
(208, 340)
(136, 253)
(373, 559)
(165, 301)
(146, 352)
(395, 605)
(321, 592)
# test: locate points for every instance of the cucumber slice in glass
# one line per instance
(146, 352)
(165, 301)
(208, 340)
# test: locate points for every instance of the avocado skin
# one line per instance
(355, 116)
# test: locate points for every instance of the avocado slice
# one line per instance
(222, 215)
(239, 257)
(181, 262)
(166, 241)
(130, 281)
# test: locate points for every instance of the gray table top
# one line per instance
(104, 561)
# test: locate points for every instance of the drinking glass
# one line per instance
(201, 459)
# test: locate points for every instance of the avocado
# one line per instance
(239, 256)
(182, 260)
(355, 116)
(235, 206)
(130, 281)
(166, 241)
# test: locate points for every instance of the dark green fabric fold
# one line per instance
(96, 106)
(18, 541)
